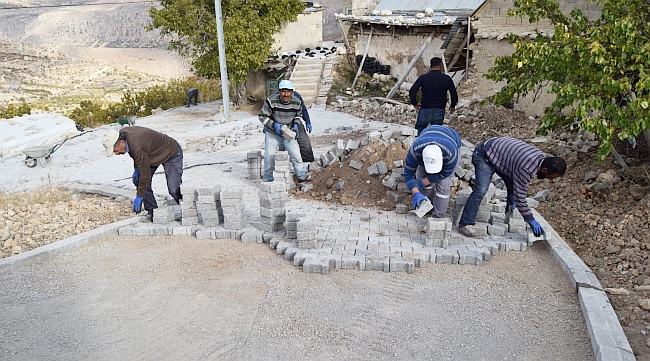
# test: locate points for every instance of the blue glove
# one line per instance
(308, 126)
(537, 229)
(417, 199)
(295, 128)
(137, 204)
(421, 184)
(136, 177)
(277, 126)
(511, 206)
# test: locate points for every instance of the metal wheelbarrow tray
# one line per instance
(40, 154)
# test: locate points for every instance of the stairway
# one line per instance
(306, 77)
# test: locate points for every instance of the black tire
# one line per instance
(30, 162)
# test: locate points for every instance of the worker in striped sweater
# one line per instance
(516, 163)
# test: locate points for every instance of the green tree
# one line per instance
(598, 69)
(248, 27)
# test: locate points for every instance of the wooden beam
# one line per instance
(410, 66)
(345, 36)
(458, 52)
(365, 52)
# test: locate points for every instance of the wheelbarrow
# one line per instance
(41, 153)
(129, 119)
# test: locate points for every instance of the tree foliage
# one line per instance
(248, 27)
(15, 111)
(598, 69)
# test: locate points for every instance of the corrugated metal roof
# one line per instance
(421, 5)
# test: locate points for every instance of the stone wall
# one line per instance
(397, 49)
(495, 12)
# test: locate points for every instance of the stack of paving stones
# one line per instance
(208, 206)
(291, 223)
(163, 215)
(232, 204)
(282, 172)
(254, 160)
(189, 213)
(273, 196)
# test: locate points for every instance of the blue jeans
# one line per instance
(174, 174)
(483, 172)
(428, 117)
(272, 143)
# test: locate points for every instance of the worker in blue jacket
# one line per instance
(430, 163)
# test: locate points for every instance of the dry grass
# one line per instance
(39, 196)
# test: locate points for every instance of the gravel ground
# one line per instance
(171, 298)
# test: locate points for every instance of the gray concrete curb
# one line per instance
(607, 337)
(45, 252)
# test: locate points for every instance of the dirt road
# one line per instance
(179, 298)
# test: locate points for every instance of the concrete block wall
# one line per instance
(495, 12)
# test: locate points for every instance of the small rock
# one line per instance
(617, 291)
(612, 249)
(645, 303)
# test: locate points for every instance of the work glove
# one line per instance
(511, 206)
(137, 204)
(295, 128)
(417, 199)
(421, 184)
(136, 177)
(308, 126)
(277, 127)
(537, 229)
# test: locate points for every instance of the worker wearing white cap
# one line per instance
(148, 149)
(282, 109)
(429, 165)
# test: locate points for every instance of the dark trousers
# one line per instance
(174, 174)
(483, 170)
(192, 94)
(306, 152)
(428, 117)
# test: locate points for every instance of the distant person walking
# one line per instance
(435, 85)
(516, 163)
(192, 94)
(148, 149)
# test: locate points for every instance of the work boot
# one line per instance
(468, 231)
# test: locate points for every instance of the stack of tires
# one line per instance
(372, 66)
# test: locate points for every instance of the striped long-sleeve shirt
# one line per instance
(519, 161)
(449, 142)
(275, 111)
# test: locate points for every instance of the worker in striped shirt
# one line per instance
(282, 109)
(429, 165)
(516, 163)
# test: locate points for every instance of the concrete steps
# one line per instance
(306, 77)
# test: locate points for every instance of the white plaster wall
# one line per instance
(362, 7)
(306, 32)
(398, 51)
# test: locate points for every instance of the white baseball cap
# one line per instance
(432, 158)
(109, 139)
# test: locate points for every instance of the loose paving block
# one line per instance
(401, 208)
(252, 237)
(496, 230)
(532, 238)
(470, 257)
(424, 207)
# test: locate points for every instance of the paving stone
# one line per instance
(353, 262)
(446, 256)
(315, 265)
(424, 207)
(378, 263)
(470, 257)
(400, 264)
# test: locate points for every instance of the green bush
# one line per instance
(91, 114)
(15, 111)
